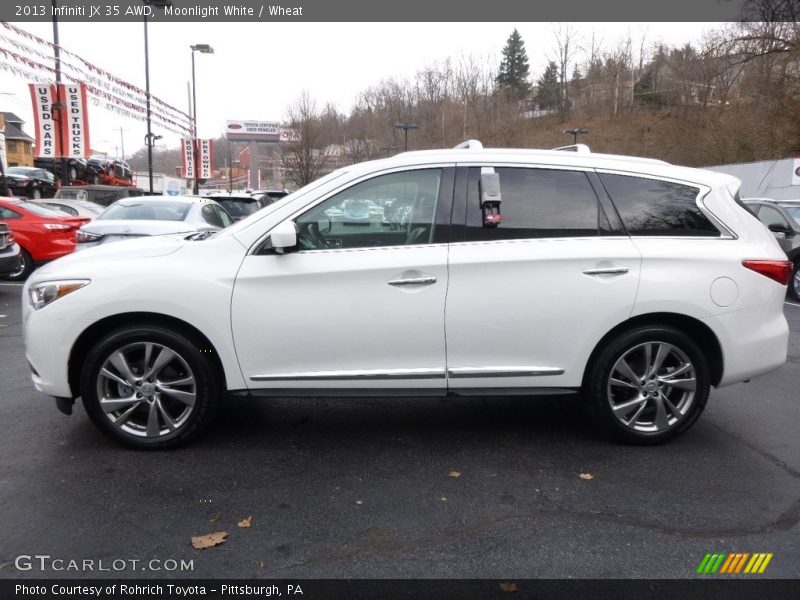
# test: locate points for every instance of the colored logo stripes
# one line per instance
(734, 562)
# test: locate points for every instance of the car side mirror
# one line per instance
(283, 237)
(779, 228)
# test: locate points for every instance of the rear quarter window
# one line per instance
(653, 207)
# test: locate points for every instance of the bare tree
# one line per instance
(304, 160)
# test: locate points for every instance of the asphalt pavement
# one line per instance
(405, 488)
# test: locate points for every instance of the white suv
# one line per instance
(639, 283)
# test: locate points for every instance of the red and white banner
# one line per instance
(48, 144)
(204, 159)
(73, 119)
(187, 152)
(76, 129)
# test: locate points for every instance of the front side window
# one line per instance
(652, 207)
(7, 213)
(537, 203)
(389, 210)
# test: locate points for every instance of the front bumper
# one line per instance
(9, 259)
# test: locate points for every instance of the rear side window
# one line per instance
(537, 203)
(651, 207)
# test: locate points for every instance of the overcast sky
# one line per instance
(259, 69)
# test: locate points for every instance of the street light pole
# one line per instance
(204, 49)
(58, 106)
(149, 137)
(575, 132)
(405, 127)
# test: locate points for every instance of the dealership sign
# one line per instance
(202, 150)
(72, 140)
(260, 131)
(204, 159)
(187, 152)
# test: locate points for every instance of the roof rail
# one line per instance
(579, 148)
(470, 145)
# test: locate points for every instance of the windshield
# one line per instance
(40, 210)
(239, 225)
(20, 170)
(146, 211)
(794, 212)
(237, 208)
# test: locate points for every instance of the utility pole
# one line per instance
(59, 106)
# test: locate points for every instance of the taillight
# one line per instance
(777, 270)
(57, 226)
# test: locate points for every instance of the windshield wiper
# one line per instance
(200, 235)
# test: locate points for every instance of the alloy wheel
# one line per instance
(651, 387)
(146, 389)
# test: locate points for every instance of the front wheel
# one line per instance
(649, 384)
(149, 387)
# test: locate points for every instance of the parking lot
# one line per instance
(420, 487)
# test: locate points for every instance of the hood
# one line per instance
(133, 249)
(134, 227)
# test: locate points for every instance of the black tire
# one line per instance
(133, 430)
(73, 173)
(25, 269)
(794, 282)
(36, 194)
(669, 417)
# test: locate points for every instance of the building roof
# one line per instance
(12, 118)
(15, 133)
(764, 179)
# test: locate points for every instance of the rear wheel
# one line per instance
(794, 283)
(149, 387)
(25, 267)
(649, 384)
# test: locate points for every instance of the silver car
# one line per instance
(782, 217)
(152, 215)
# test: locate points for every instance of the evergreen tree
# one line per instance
(514, 70)
(547, 88)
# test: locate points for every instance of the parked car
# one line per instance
(639, 283)
(75, 208)
(30, 182)
(360, 211)
(104, 195)
(43, 234)
(267, 197)
(101, 169)
(10, 257)
(239, 206)
(76, 167)
(782, 217)
(152, 215)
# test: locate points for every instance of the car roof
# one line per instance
(555, 158)
(231, 197)
(166, 198)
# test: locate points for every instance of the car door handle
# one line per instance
(606, 271)
(427, 280)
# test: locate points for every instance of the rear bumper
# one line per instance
(754, 340)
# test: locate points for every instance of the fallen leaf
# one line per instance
(359, 502)
(215, 517)
(210, 540)
(454, 474)
(262, 563)
(586, 476)
(443, 499)
(509, 587)
(245, 522)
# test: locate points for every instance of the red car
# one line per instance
(43, 234)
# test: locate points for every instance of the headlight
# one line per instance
(84, 236)
(42, 294)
